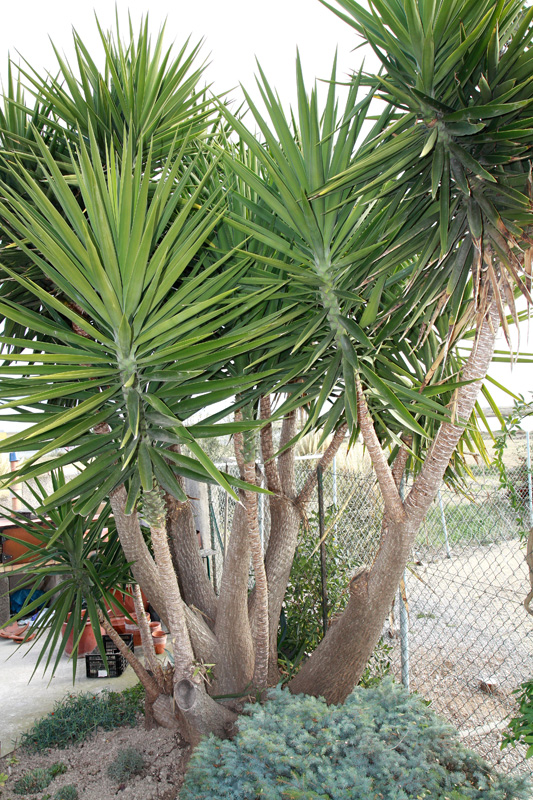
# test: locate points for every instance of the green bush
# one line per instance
(127, 763)
(301, 628)
(77, 716)
(382, 743)
(520, 728)
(68, 792)
(38, 779)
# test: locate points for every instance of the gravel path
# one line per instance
(471, 642)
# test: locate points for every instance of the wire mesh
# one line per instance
(470, 638)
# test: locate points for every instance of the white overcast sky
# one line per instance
(235, 33)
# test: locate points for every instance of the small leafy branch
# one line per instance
(204, 670)
(520, 728)
(512, 487)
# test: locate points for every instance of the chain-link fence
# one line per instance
(458, 633)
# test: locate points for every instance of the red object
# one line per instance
(127, 601)
(14, 631)
(132, 627)
(119, 624)
(12, 550)
(87, 642)
(160, 640)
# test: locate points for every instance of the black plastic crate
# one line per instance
(95, 667)
(110, 646)
(116, 662)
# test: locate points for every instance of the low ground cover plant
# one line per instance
(76, 717)
(68, 792)
(38, 779)
(127, 763)
(382, 743)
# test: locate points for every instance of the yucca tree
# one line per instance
(457, 74)
(444, 172)
(151, 272)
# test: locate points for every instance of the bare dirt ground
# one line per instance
(471, 643)
(468, 631)
(165, 755)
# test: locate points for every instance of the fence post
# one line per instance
(212, 522)
(321, 532)
(226, 510)
(404, 620)
(334, 466)
(529, 488)
(261, 518)
(444, 526)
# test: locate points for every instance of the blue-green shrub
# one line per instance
(381, 744)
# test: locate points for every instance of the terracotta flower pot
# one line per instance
(155, 626)
(87, 642)
(127, 601)
(132, 627)
(119, 624)
(17, 550)
(160, 641)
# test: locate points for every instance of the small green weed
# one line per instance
(128, 762)
(68, 792)
(38, 779)
(77, 716)
(520, 728)
(3, 778)
(421, 615)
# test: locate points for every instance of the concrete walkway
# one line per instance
(22, 701)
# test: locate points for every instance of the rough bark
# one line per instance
(235, 666)
(178, 631)
(330, 453)
(202, 712)
(136, 550)
(260, 630)
(428, 481)
(338, 662)
(146, 636)
(284, 523)
(267, 450)
(203, 639)
(194, 583)
(286, 512)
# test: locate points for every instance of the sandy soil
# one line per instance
(166, 757)
(468, 631)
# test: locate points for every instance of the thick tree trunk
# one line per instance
(260, 630)
(286, 512)
(235, 667)
(338, 662)
(136, 550)
(195, 585)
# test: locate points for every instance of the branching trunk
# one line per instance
(286, 512)
(338, 662)
(146, 636)
(194, 584)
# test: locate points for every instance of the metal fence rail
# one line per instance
(463, 640)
